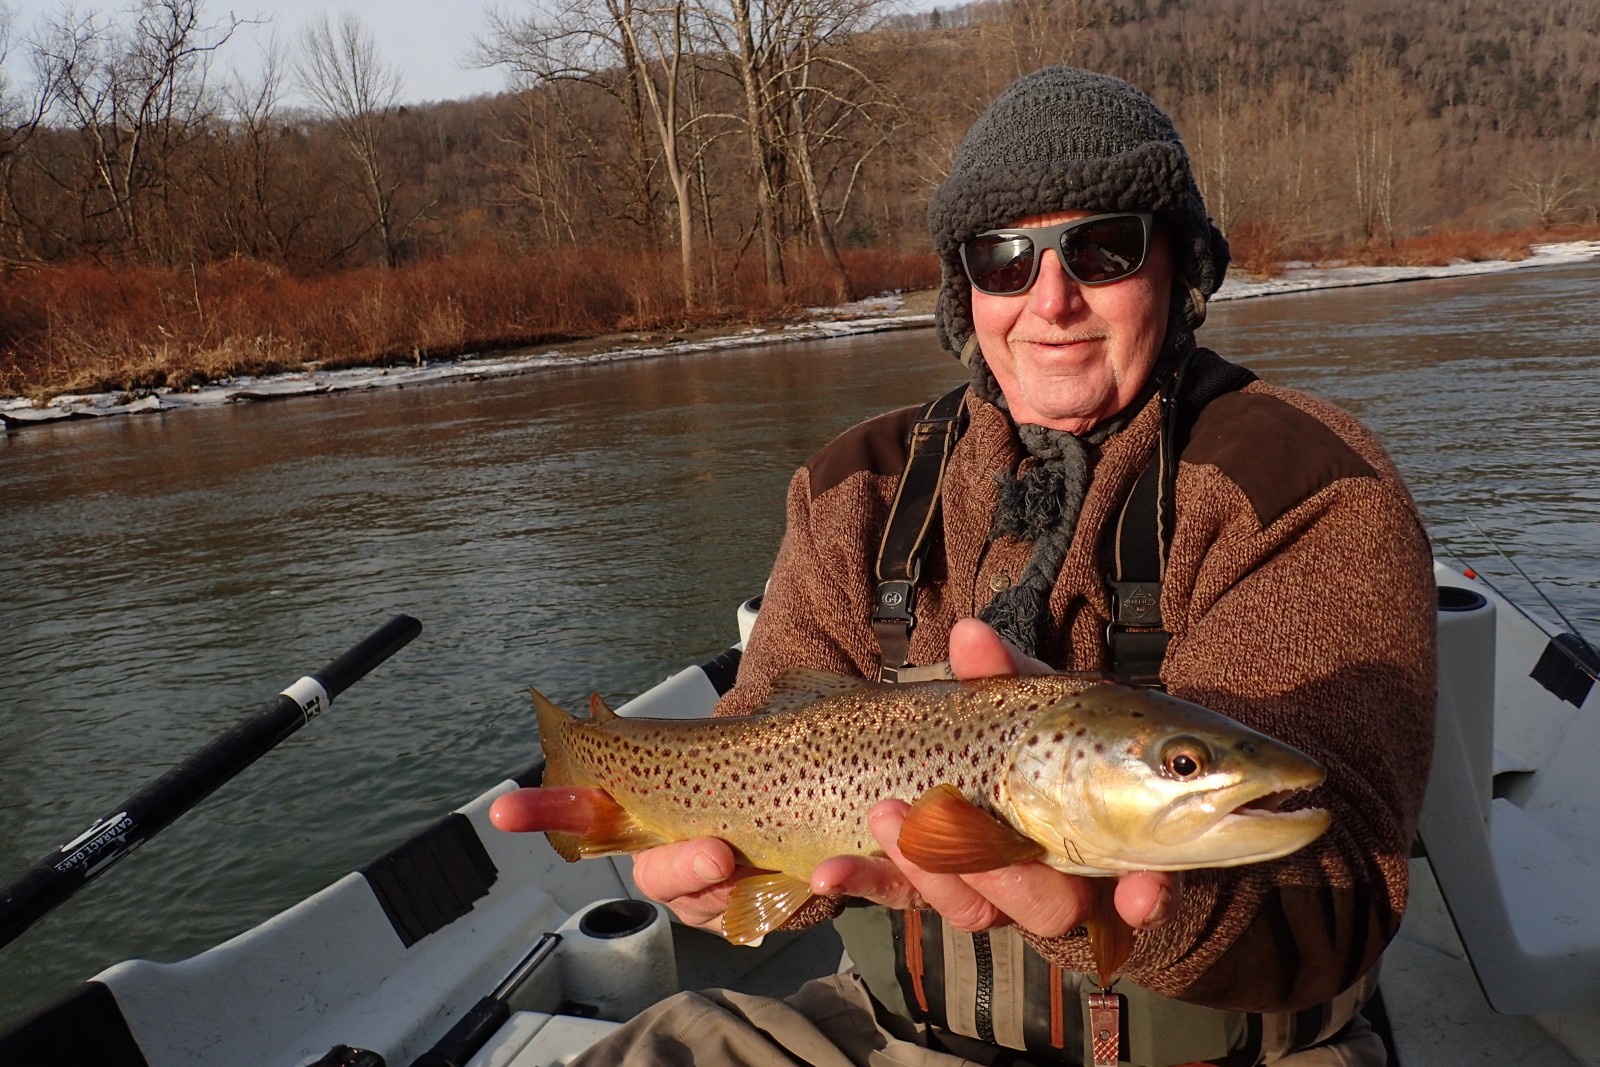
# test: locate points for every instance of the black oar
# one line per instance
(150, 810)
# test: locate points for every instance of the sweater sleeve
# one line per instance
(795, 627)
(1314, 624)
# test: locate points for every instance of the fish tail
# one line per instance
(614, 829)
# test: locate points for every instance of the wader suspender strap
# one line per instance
(916, 502)
(1135, 635)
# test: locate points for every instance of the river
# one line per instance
(577, 529)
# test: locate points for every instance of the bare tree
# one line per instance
(340, 71)
(529, 124)
(1377, 114)
(1040, 32)
(579, 44)
(820, 80)
(658, 37)
(138, 100)
(20, 117)
(1549, 194)
(651, 42)
(755, 45)
(248, 164)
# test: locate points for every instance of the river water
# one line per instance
(577, 529)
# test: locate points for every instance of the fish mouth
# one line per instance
(1257, 822)
(1270, 804)
(1271, 830)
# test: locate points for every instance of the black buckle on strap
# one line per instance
(1136, 604)
(897, 599)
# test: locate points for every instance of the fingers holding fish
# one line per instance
(693, 878)
(869, 877)
(1147, 899)
(1028, 894)
(567, 810)
(978, 651)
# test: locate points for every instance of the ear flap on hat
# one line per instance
(968, 350)
(1197, 305)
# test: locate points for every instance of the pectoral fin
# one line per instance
(946, 833)
(761, 903)
(613, 830)
(1110, 938)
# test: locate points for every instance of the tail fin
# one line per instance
(614, 828)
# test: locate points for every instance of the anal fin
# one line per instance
(761, 903)
(945, 833)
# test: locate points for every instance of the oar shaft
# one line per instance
(128, 825)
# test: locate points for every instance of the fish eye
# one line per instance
(1184, 759)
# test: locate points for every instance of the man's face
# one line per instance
(1067, 355)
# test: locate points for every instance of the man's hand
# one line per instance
(693, 878)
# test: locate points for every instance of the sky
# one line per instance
(426, 39)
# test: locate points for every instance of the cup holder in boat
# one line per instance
(1454, 598)
(617, 918)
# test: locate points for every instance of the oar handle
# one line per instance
(127, 826)
(354, 664)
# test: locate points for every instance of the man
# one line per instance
(1289, 585)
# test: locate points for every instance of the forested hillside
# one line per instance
(703, 159)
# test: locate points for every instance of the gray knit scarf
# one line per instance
(1041, 504)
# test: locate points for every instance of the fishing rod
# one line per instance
(133, 822)
(1591, 667)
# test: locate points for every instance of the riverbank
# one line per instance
(877, 314)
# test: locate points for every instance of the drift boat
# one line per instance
(477, 948)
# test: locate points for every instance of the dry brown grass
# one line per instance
(1262, 254)
(85, 328)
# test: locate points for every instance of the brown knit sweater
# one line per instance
(1300, 596)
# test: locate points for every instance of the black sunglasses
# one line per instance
(1098, 250)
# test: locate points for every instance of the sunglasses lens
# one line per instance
(999, 265)
(1106, 250)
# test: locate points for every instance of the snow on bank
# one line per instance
(869, 316)
(865, 316)
(1306, 279)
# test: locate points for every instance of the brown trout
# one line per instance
(1087, 776)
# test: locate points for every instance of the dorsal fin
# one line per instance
(798, 686)
(599, 711)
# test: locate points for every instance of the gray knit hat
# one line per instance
(1068, 139)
